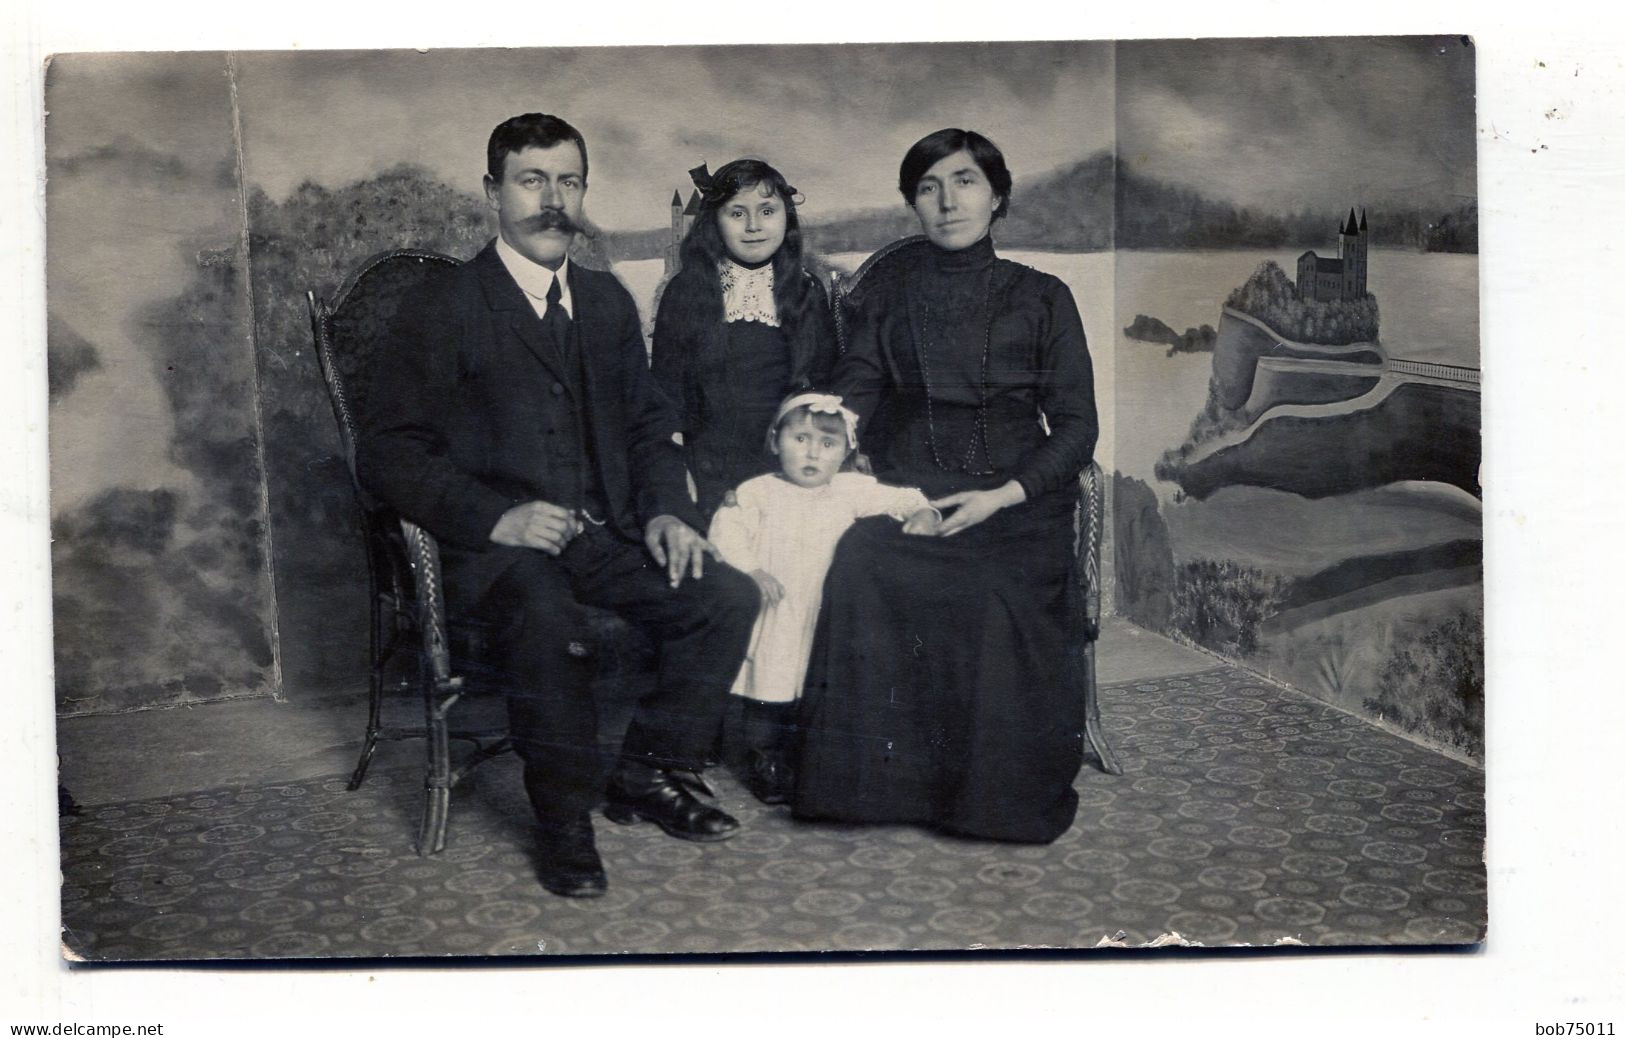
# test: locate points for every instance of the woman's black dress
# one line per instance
(946, 682)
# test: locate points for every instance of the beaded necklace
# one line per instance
(980, 429)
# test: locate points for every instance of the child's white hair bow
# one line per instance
(818, 403)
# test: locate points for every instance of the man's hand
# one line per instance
(973, 506)
(676, 546)
(924, 522)
(536, 524)
(772, 590)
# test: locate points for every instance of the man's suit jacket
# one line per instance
(469, 400)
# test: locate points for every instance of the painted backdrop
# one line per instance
(287, 169)
(1297, 359)
(161, 551)
(1273, 244)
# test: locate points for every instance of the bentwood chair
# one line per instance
(1088, 519)
(408, 608)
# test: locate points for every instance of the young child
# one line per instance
(781, 529)
(740, 325)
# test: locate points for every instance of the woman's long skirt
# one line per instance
(946, 683)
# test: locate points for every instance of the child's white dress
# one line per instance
(790, 532)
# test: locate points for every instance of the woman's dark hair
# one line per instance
(933, 148)
(531, 130)
(703, 247)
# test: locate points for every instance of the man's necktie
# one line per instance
(556, 320)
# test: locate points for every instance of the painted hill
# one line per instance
(1071, 209)
(1155, 214)
(1065, 210)
(1417, 432)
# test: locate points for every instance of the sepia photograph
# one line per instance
(767, 499)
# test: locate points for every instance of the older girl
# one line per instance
(740, 325)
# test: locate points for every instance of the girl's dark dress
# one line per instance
(728, 377)
(945, 686)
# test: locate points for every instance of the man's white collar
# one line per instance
(536, 279)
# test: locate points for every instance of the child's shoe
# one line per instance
(767, 775)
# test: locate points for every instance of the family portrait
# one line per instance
(767, 499)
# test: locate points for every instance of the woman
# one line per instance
(946, 686)
(740, 326)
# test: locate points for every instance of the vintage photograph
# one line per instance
(761, 499)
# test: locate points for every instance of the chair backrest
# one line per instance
(403, 560)
(1088, 530)
(846, 291)
(350, 330)
(1088, 518)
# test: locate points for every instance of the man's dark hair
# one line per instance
(933, 148)
(531, 130)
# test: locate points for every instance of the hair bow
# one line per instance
(819, 403)
(701, 175)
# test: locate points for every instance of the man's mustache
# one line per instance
(552, 220)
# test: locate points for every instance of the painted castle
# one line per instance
(682, 218)
(1324, 279)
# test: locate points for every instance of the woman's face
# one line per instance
(752, 223)
(955, 202)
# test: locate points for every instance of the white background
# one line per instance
(1552, 162)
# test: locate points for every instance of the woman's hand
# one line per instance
(772, 590)
(972, 506)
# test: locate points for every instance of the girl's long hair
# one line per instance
(703, 247)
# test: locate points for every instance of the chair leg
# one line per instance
(360, 774)
(432, 826)
(375, 700)
(437, 781)
(1091, 709)
(483, 751)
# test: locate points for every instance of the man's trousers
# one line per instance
(540, 654)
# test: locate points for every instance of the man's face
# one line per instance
(955, 202)
(538, 201)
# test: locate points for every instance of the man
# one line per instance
(514, 417)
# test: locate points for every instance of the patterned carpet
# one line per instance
(1248, 815)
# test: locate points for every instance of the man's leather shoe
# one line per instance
(660, 797)
(567, 858)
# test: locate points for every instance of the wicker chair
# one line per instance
(1088, 521)
(408, 609)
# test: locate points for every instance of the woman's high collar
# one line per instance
(971, 257)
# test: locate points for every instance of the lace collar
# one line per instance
(747, 295)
